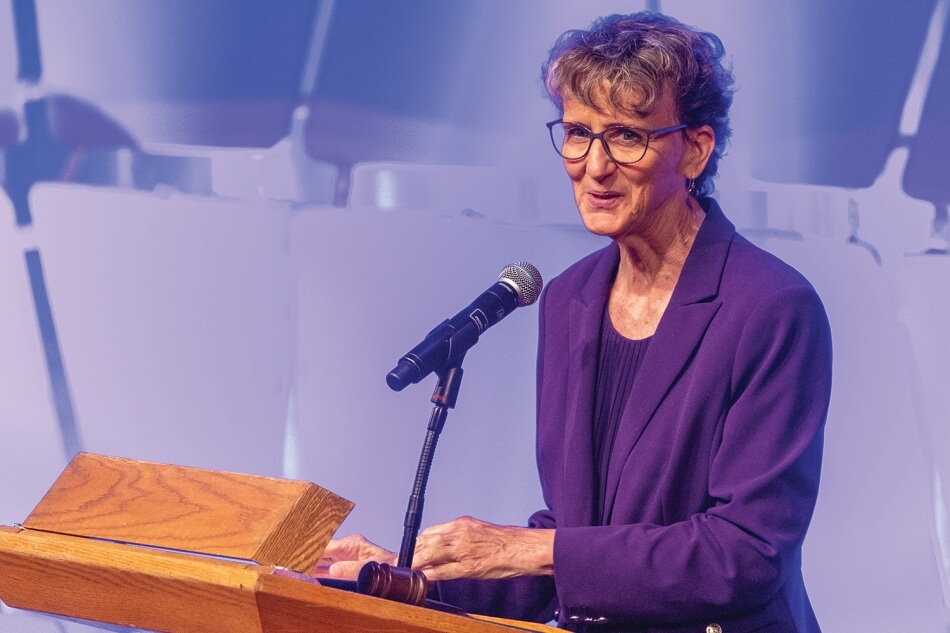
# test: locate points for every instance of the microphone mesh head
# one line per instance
(526, 281)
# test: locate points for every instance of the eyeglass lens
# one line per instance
(623, 144)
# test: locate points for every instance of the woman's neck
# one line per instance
(652, 260)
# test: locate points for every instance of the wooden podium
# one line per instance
(185, 550)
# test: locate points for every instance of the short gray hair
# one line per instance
(640, 54)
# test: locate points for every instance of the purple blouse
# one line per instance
(620, 359)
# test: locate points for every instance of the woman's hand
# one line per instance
(344, 557)
(462, 548)
(469, 548)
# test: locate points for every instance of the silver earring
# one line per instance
(691, 187)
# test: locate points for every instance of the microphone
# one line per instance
(518, 285)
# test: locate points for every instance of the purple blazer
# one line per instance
(713, 477)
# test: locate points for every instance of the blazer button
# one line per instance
(713, 628)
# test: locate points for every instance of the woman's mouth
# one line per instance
(603, 199)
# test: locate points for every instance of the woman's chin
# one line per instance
(600, 223)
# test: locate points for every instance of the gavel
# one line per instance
(399, 584)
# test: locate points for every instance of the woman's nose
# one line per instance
(599, 162)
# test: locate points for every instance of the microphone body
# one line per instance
(519, 285)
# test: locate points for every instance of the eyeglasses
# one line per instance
(624, 144)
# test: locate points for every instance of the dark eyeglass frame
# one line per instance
(648, 135)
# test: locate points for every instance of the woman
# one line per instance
(683, 376)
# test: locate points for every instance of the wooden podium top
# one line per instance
(269, 521)
(74, 556)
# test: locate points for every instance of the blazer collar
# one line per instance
(701, 273)
(691, 308)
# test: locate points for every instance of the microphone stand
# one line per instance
(402, 583)
(443, 397)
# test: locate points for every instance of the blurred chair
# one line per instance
(58, 129)
(440, 190)
(70, 140)
(345, 135)
(281, 172)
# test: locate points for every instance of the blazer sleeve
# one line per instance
(737, 554)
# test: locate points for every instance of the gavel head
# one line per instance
(399, 584)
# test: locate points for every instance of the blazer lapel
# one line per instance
(586, 315)
(680, 331)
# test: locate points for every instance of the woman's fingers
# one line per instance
(344, 557)
(469, 548)
(462, 548)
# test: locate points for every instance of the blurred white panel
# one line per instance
(175, 318)
(371, 286)
(925, 294)
(869, 560)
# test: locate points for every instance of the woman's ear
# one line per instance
(700, 143)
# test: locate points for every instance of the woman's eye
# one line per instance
(627, 135)
(576, 132)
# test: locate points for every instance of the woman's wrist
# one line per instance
(537, 551)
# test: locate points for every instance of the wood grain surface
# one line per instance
(126, 585)
(173, 592)
(267, 520)
(291, 606)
